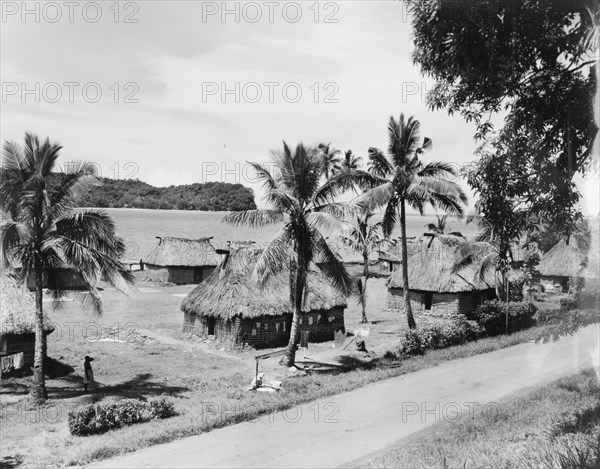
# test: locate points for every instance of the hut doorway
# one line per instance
(428, 300)
(210, 324)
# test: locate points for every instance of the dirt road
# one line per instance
(342, 428)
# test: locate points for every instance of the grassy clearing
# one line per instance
(207, 386)
(41, 438)
(555, 425)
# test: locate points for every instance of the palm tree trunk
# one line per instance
(290, 354)
(407, 307)
(366, 276)
(38, 393)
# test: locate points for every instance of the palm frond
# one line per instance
(390, 217)
(254, 218)
(331, 266)
(275, 257)
(437, 169)
(324, 221)
(378, 164)
(377, 197)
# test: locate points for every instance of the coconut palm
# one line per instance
(440, 226)
(405, 180)
(299, 198)
(349, 162)
(330, 158)
(364, 238)
(44, 232)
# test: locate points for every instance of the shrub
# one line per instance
(161, 408)
(418, 341)
(411, 344)
(100, 418)
(491, 316)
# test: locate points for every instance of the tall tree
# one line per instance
(45, 233)
(405, 180)
(300, 198)
(350, 162)
(536, 62)
(364, 238)
(440, 226)
(330, 159)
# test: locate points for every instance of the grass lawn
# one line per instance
(555, 425)
(148, 356)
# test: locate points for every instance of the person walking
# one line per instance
(88, 373)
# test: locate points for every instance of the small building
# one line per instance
(435, 284)
(181, 260)
(231, 305)
(562, 262)
(17, 325)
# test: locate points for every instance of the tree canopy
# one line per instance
(532, 62)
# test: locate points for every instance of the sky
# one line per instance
(187, 91)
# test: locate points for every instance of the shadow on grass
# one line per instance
(8, 462)
(57, 369)
(139, 387)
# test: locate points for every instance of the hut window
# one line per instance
(310, 320)
(330, 318)
(300, 321)
(266, 326)
(253, 331)
(284, 327)
(258, 325)
(276, 327)
(428, 300)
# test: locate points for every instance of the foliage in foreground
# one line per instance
(100, 418)
(491, 322)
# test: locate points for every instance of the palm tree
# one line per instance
(440, 226)
(330, 158)
(44, 232)
(299, 198)
(364, 238)
(350, 162)
(404, 179)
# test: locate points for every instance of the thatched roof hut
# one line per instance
(17, 321)
(393, 255)
(563, 260)
(232, 302)
(181, 260)
(233, 290)
(435, 285)
(431, 266)
(17, 308)
(182, 252)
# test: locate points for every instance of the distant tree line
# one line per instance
(210, 196)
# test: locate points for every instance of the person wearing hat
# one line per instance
(88, 373)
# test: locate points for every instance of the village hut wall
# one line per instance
(267, 331)
(177, 275)
(436, 303)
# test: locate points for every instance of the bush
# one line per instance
(491, 316)
(418, 341)
(515, 289)
(100, 418)
(411, 344)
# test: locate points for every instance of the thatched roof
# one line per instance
(394, 252)
(431, 266)
(563, 260)
(183, 252)
(233, 290)
(17, 308)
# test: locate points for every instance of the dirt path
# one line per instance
(342, 428)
